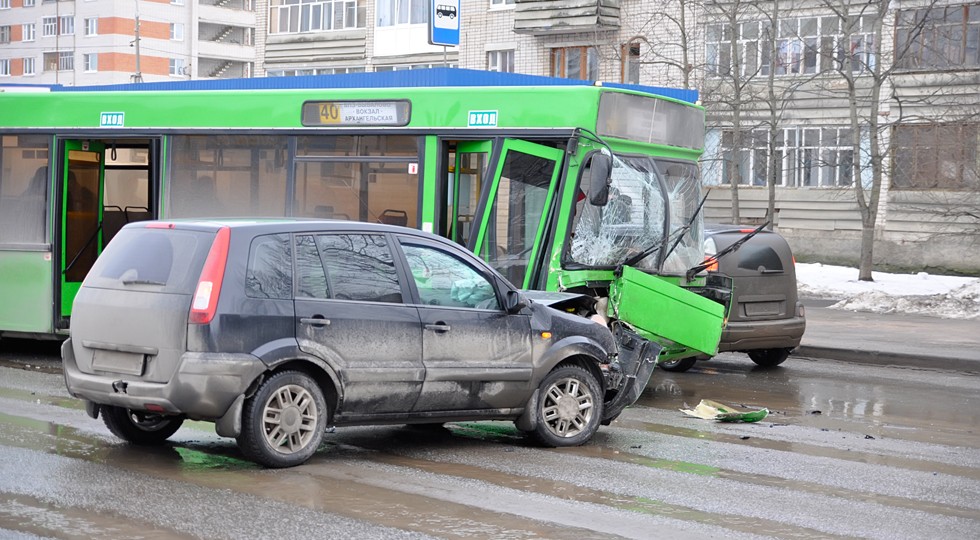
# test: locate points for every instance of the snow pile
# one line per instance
(951, 297)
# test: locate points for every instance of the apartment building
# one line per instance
(919, 57)
(85, 42)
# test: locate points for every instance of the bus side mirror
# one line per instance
(600, 178)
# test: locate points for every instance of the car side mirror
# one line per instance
(600, 177)
(514, 301)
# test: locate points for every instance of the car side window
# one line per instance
(311, 279)
(359, 267)
(269, 272)
(444, 280)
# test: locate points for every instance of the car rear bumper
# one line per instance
(203, 387)
(749, 335)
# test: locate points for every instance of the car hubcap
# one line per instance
(568, 407)
(289, 419)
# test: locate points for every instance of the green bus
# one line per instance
(580, 188)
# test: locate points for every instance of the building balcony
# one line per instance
(222, 15)
(547, 17)
(226, 51)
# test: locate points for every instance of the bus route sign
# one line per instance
(356, 113)
(444, 22)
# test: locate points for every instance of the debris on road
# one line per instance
(712, 410)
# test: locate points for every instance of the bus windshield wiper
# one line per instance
(708, 261)
(677, 235)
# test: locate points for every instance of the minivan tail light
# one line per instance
(209, 285)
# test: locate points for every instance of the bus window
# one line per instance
(24, 179)
(360, 191)
(228, 175)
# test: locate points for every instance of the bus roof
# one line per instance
(415, 78)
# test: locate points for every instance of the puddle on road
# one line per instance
(32, 516)
(773, 481)
(805, 448)
(898, 410)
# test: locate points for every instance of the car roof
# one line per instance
(716, 228)
(276, 225)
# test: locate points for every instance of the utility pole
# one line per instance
(138, 76)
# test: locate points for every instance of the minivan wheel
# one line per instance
(569, 407)
(769, 357)
(284, 422)
(138, 427)
(679, 365)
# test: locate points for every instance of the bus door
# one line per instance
(512, 225)
(472, 158)
(81, 215)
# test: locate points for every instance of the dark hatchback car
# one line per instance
(766, 319)
(275, 330)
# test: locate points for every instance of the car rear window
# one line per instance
(347, 267)
(165, 260)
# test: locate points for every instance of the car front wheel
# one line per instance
(769, 357)
(143, 428)
(569, 407)
(679, 365)
(284, 422)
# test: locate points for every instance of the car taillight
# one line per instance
(209, 285)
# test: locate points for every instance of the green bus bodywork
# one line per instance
(562, 125)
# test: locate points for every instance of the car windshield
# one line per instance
(645, 195)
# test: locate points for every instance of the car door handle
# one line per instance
(438, 327)
(315, 321)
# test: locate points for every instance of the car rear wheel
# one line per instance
(137, 427)
(679, 365)
(569, 407)
(769, 357)
(284, 422)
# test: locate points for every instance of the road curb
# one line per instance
(882, 358)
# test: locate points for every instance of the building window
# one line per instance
(177, 2)
(395, 12)
(29, 66)
(804, 45)
(631, 63)
(68, 25)
(575, 63)
(59, 61)
(4, 67)
(92, 26)
(28, 31)
(805, 157)
(91, 61)
(178, 67)
(502, 61)
(936, 156)
(49, 26)
(501, 3)
(28, 3)
(176, 32)
(300, 16)
(4, 34)
(5, 4)
(938, 38)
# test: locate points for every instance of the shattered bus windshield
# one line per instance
(645, 194)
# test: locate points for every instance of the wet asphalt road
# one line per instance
(848, 451)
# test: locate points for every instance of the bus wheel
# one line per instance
(284, 422)
(679, 365)
(569, 407)
(141, 428)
